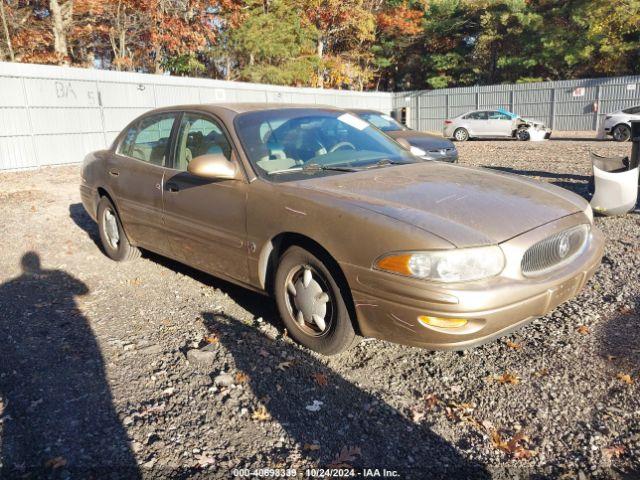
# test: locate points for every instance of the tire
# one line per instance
(523, 135)
(117, 247)
(322, 326)
(621, 133)
(461, 135)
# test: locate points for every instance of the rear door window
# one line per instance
(148, 140)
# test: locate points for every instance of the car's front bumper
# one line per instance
(388, 306)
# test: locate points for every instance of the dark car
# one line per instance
(434, 146)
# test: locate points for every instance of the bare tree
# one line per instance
(61, 20)
(7, 37)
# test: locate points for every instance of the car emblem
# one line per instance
(563, 246)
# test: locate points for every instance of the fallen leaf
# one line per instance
(431, 401)
(583, 329)
(263, 353)
(204, 460)
(626, 311)
(417, 415)
(516, 446)
(488, 426)
(55, 463)
(311, 447)
(212, 339)
(347, 454)
(508, 378)
(241, 377)
(626, 378)
(543, 372)
(321, 379)
(513, 345)
(284, 365)
(261, 414)
(614, 451)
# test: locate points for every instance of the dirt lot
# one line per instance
(94, 376)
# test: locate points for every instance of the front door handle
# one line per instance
(173, 187)
(114, 173)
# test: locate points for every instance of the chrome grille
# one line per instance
(554, 251)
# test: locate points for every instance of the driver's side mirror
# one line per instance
(214, 166)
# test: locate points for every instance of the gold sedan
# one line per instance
(351, 234)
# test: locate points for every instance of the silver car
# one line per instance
(492, 123)
(618, 124)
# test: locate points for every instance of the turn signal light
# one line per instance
(442, 322)
(448, 122)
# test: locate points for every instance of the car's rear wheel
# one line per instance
(311, 302)
(114, 240)
(461, 135)
(621, 133)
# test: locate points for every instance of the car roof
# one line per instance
(243, 107)
(364, 110)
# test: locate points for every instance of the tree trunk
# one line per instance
(320, 53)
(61, 17)
(6, 32)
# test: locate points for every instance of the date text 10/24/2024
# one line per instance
(317, 473)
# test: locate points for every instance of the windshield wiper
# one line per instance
(313, 167)
(384, 162)
(316, 167)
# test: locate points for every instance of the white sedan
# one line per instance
(618, 124)
(494, 123)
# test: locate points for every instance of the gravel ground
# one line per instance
(152, 369)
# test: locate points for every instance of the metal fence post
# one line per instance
(552, 114)
(446, 105)
(596, 111)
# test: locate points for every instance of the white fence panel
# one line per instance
(54, 115)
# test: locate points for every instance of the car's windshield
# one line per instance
(295, 143)
(381, 121)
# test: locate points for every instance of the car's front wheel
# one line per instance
(114, 241)
(621, 133)
(311, 302)
(461, 135)
(523, 134)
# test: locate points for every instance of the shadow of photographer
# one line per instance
(57, 414)
(337, 414)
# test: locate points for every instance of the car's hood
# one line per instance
(422, 140)
(533, 121)
(466, 206)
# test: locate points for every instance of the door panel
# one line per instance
(136, 174)
(499, 124)
(138, 196)
(205, 218)
(477, 123)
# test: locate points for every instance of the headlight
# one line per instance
(588, 211)
(458, 265)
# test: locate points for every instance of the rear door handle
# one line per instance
(173, 187)
(114, 173)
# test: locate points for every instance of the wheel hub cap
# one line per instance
(111, 228)
(309, 299)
